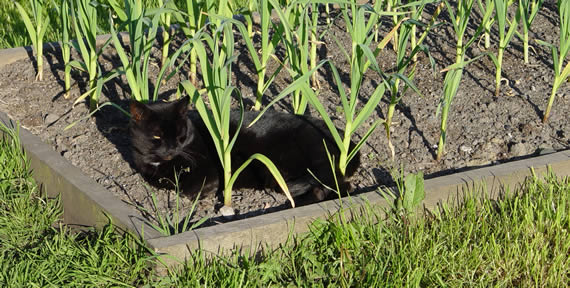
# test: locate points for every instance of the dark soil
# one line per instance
(482, 129)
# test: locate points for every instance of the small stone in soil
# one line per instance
(465, 148)
(526, 129)
(227, 212)
(544, 151)
(79, 139)
(545, 148)
(518, 149)
(50, 119)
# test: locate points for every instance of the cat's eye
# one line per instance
(156, 140)
(181, 138)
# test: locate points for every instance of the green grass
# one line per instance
(521, 240)
(36, 249)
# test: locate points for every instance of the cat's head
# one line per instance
(160, 131)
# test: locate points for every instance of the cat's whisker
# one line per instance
(189, 157)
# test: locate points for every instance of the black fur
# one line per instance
(165, 137)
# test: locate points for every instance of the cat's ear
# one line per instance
(139, 111)
(182, 105)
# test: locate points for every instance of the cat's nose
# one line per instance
(168, 157)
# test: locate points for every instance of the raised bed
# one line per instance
(86, 202)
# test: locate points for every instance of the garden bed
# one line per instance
(482, 130)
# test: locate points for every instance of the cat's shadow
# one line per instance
(113, 124)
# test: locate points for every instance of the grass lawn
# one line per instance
(520, 241)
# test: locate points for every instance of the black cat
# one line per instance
(165, 136)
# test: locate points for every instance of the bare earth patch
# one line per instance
(483, 129)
